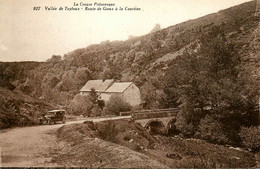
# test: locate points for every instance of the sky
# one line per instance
(36, 35)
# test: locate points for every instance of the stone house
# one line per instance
(105, 89)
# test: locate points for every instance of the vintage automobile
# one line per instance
(53, 116)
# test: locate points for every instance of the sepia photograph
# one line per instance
(130, 83)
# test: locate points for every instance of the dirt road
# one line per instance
(30, 146)
(27, 146)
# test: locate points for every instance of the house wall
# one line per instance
(105, 96)
(132, 95)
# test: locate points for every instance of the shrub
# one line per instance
(108, 131)
(80, 105)
(117, 104)
(251, 137)
(95, 111)
(212, 130)
(187, 129)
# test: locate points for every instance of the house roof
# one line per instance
(98, 85)
(91, 84)
(106, 84)
(118, 87)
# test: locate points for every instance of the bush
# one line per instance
(212, 130)
(251, 137)
(187, 129)
(107, 131)
(95, 111)
(117, 104)
(80, 105)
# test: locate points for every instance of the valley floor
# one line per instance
(87, 145)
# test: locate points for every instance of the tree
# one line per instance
(156, 27)
(152, 96)
(97, 104)
(80, 105)
(251, 137)
(93, 97)
(210, 129)
(131, 37)
(55, 59)
(117, 104)
(210, 82)
(101, 104)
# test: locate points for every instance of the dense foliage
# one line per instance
(117, 104)
(18, 109)
(251, 137)
(143, 60)
(210, 89)
(86, 105)
(208, 67)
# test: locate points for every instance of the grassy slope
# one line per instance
(90, 145)
(19, 109)
(82, 147)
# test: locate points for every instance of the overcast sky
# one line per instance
(30, 35)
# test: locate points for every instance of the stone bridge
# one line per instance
(159, 121)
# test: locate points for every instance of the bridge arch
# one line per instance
(171, 127)
(155, 126)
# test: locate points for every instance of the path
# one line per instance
(29, 146)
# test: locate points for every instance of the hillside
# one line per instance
(125, 144)
(141, 59)
(19, 109)
(146, 60)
